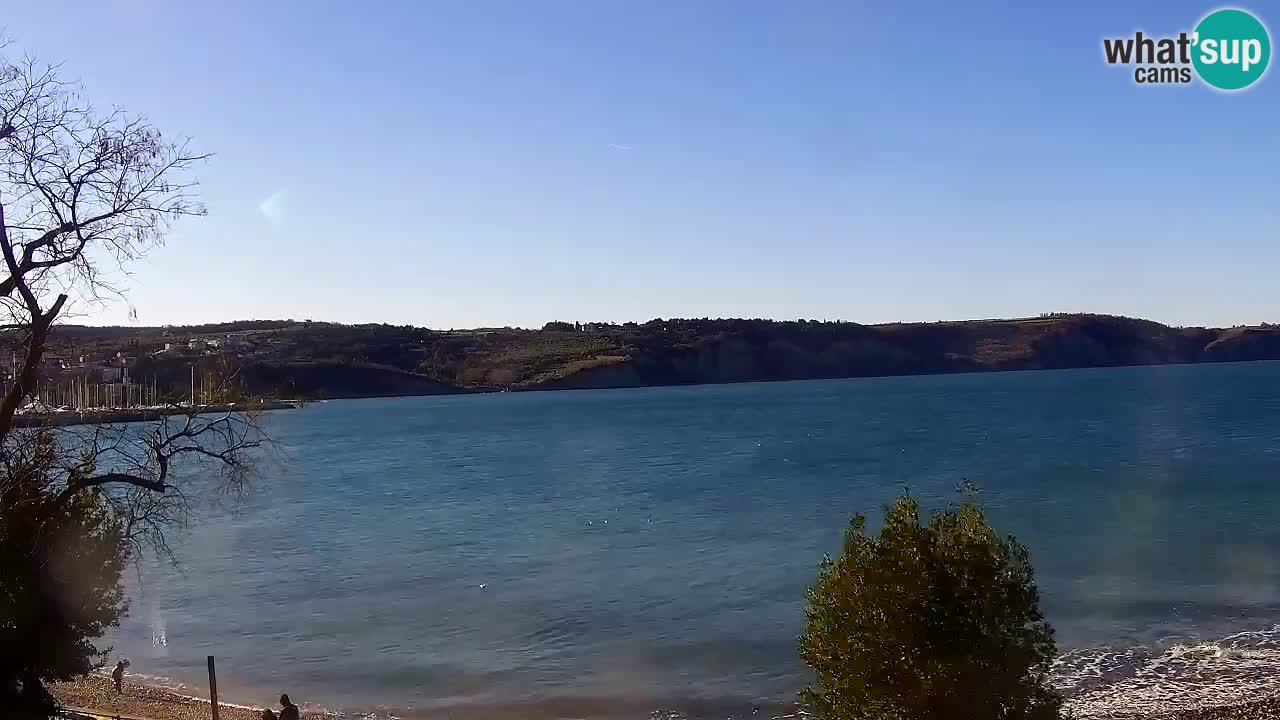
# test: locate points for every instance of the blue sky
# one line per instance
(490, 163)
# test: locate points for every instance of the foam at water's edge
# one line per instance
(1176, 675)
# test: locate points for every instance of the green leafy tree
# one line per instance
(60, 572)
(928, 622)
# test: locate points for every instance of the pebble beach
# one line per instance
(140, 702)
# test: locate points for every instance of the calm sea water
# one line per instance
(582, 554)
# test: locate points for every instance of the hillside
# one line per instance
(309, 359)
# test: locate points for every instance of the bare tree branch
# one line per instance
(97, 480)
(83, 194)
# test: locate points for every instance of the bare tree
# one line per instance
(84, 193)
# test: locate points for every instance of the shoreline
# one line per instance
(128, 415)
(580, 382)
(563, 384)
(95, 695)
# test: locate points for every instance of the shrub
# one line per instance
(928, 622)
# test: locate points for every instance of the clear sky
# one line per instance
(490, 163)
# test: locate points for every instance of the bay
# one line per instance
(626, 552)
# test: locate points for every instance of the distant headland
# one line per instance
(315, 360)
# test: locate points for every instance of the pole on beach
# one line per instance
(213, 689)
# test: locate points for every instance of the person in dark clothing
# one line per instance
(117, 675)
(268, 715)
(288, 711)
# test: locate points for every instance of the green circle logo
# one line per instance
(1232, 49)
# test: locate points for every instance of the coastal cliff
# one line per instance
(329, 360)
(785, 352)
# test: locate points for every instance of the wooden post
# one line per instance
(213, 689)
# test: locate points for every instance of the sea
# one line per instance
(644, 553)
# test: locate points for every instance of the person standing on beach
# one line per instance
(117, 675)
(288, 711)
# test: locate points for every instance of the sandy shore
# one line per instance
(96, 693)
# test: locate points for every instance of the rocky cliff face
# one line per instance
(1243, 344)
(930, 348)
